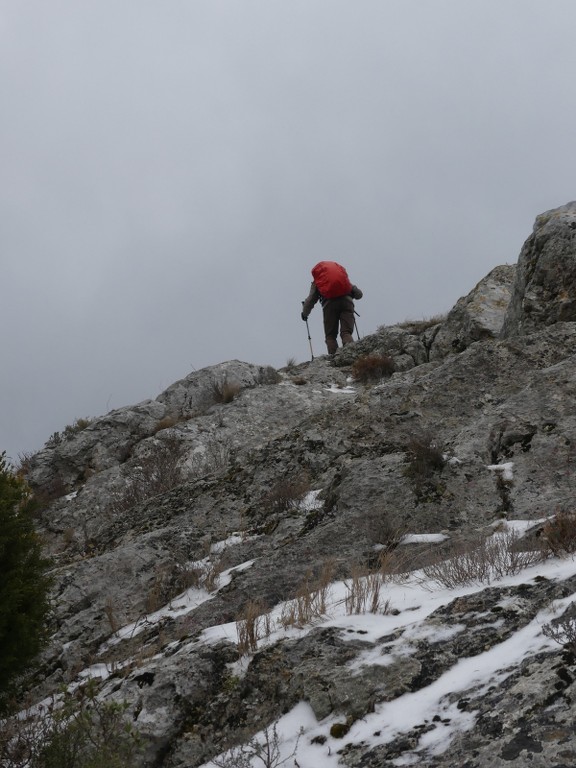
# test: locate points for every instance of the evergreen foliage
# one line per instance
(24, 583)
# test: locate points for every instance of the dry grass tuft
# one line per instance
(418, 326)
(364, 593)
(311, 601)
(372, 368)
(253, 624)
(224, 391)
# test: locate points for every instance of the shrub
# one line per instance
(24, 583)
(156, 473)
(49, 491)
(264, 748)
(563, 630)
(372, 368)
(286, 494)
(269, 375)
(171, 579)
(425, 456)
(482, 561)
(559, 534)
(68, 432)
(73, 731)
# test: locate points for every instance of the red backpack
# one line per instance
(331, 279)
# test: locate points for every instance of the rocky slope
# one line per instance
(241, 488)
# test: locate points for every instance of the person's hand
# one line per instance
(304, 317)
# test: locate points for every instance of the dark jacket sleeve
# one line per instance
(311, 299)
(356, 293)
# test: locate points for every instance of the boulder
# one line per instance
(477, 316)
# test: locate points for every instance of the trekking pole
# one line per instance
(356, 325)
(309, 338)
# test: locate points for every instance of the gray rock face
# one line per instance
(201, 498)
(478, 316)
(545, 289)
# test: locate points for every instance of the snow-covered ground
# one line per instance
(408, 603)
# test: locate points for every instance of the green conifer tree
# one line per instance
(24, 583)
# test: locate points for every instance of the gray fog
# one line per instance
(170, 172)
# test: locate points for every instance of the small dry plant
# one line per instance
(395, 565)
(372, 368)
(224, 391)
(425, 456)
(172, 579)
(559, 534)
(156, 473)
(482, 561)
(364, 593)
(111, 612)
(417, 326)
(214, 459)
(167, 422)
(563, 630)
(253, 624)
(311, 601)
(286, 494)
(265, 749)
(268, 375)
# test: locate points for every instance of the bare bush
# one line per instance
(215, 459)
(265, 749)
(173, 578)
(559, 534)
(286, 494)
(381, 529)
(482, 561)
(156, 473)
(425, 456)
(48, 492)
(563, 630)
(269, 375)
(73, 731)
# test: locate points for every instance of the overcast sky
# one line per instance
(171, 171)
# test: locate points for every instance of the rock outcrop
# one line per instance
(241, 489)
(545, 289)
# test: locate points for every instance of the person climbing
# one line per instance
(333, 289)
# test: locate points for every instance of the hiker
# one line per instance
(333, 289)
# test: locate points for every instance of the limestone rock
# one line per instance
(184, 513)
(544, 291)
(477, 316)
